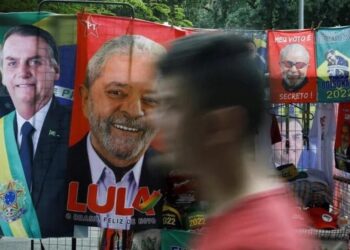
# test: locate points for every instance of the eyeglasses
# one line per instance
(298, 65)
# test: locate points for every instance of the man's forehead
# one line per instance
(296, 53)
(36, 43)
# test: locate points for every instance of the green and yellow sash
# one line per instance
(17, 214)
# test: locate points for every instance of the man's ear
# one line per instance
(84, 93)
(57, 71)
(224, 125)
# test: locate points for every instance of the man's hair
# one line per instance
(283, 119)
(218, 71)
(331, 51)
(294, 47)
(123, 45)
(30, 30)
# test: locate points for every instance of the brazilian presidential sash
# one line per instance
(17, 214)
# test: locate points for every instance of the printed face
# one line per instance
(331, 59)
(345, 136)
(119, 106)
(28, 71)
(284, 154)
(294, 67)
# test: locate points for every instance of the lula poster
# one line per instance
(112, 182)
(292, 66)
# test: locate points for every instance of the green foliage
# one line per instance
(161, 10)
(275, 14)
(171, 11)
(18, 5)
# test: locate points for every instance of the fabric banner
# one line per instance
(113, 97)
(37, 81)
(63, 29)
(333, 57)
(176, 239)
(259, 48)
(292, 66)
(342, 140)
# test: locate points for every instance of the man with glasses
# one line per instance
(294, 62)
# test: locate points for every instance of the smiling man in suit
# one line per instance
(34, 138)
(118, 99)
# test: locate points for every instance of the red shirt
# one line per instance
(267, 220)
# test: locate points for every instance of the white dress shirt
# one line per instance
(104, 177)
(37, 121)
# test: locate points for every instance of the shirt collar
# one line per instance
(37, 120)
(97, 166)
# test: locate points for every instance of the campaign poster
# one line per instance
(333, 57)
(342, 140)
(38, 62)
(112, 182)
(292, 66)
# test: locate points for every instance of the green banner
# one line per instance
(333, 55)
(176, 239)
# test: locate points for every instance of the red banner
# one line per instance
(342, 140)
(292, 66)
(95, 30)
(112, 183)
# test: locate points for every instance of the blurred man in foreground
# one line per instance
(212, 98)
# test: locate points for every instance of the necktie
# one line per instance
(26, 151)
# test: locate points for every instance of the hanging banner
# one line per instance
(258, 47)
(333, 64)
(292, 66)
(38, 61)
(63, 30)
(112, 183)
(342, 140)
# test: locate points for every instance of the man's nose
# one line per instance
(133, 107)
(24, 70)
(293, 68)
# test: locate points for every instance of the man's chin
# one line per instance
(126, 152)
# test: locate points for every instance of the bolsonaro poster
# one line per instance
(37, 75)
(333, 64)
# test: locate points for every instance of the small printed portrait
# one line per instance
(342, 152)
(338, 66)
(294, 63)
(289, 149)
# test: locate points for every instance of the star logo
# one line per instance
(9, 197)
(12, 198)
(90, 26)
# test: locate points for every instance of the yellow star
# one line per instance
(10, 188)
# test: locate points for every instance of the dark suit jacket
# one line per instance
(49, 173)
(49, 186)
(152, 177)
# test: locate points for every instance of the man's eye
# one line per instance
(35, 62)
(116, 93)
(150, 101)
(11, 63)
